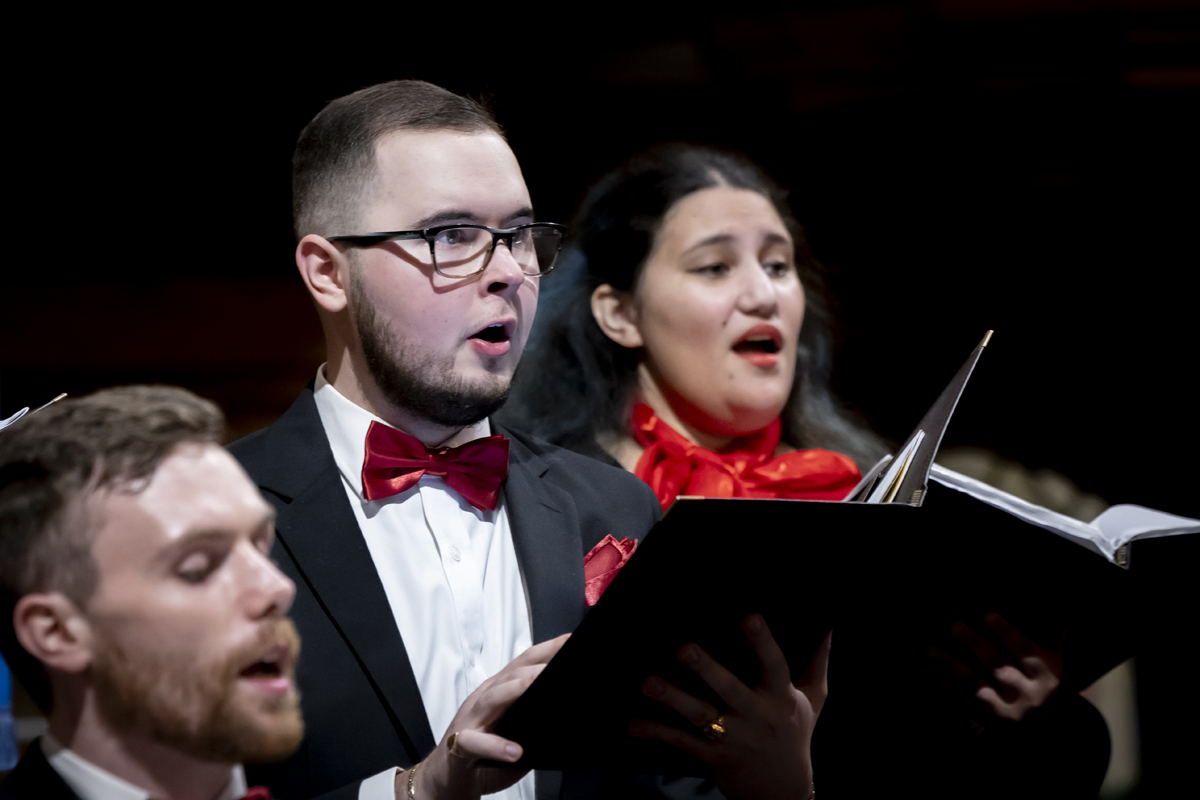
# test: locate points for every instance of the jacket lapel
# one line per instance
(319, 531)
(545, 531)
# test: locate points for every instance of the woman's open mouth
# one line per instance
(760, 345)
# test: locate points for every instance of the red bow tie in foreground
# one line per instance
(257, 793)
(395, 462)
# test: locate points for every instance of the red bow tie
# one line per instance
(257, 793)
(395, 462)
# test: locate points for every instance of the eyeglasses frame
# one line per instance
(430, 235)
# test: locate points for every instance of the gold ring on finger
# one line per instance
(715, 729)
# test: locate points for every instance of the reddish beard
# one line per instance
(193, 706)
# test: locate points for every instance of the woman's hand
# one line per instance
(764, 750)
(451, 773)
(1010, 683)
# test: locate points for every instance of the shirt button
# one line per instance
(455, 554)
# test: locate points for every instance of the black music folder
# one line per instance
(913, 549)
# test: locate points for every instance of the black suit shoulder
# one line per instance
(34, 779)
(599, 490)
(292, 453)
(250, 445)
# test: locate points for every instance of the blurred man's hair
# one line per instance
(50, 463)
(334, 162)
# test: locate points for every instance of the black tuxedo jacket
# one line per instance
(34, 779)
(362, 708)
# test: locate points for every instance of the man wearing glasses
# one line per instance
(430, 549)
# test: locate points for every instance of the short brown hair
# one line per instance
(334, 161)
(50, 461)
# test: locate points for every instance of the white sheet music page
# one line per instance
(1115, 527)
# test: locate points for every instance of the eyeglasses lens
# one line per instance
(459, 251)
(543, 246)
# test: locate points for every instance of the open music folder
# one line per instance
(913, 549)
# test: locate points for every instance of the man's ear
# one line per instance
(615, 314)
(53, 631)
(325, 270)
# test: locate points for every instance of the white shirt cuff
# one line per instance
(379, 787)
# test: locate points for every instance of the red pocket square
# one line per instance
(603, 563)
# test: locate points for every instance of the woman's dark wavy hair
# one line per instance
(575, 383)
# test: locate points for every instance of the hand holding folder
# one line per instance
(455, 769)
(692, 582)
(1004, 675)
(760, 746)
(914, 550)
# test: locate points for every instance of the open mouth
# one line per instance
(492, 333)
(757, 346)
(262, 669)
(764, 339)
(270, 666)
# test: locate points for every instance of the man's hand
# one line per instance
(1011, 683)
(446, 775)
(764, 752)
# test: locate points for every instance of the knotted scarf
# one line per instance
(672, 465)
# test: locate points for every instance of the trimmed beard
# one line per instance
(193, 706)
(423, 386)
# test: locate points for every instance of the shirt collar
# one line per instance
(346, 425)
(93, 783)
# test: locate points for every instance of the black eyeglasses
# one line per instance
(460, 251)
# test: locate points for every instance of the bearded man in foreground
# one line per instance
(142, 612)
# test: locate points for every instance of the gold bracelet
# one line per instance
(412, 773)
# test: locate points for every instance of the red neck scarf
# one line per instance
(672, 466)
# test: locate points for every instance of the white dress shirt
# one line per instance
(449, 571)
(93, 783)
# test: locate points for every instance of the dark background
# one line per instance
(1029, 167)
